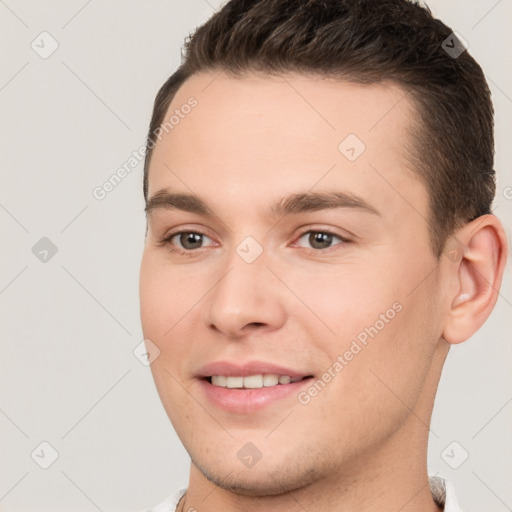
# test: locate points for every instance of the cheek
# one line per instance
(343, 301)
(152, 300)
(164, 299)
(166, 294)
(384, 334)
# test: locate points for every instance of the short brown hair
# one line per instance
(365, 41)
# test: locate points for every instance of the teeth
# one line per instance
(270, 380)
(234, 382)
(252, 381)
(219, 380)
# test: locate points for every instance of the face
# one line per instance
(303, 254)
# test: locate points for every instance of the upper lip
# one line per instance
(227, 368)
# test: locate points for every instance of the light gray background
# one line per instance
(70, 325)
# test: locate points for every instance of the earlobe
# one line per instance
(477, 277)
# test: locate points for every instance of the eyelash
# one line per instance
(192, 252)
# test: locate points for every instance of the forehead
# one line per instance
(289, 132)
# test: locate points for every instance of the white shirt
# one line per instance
(442, 492)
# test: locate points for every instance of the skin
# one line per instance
(361, 442)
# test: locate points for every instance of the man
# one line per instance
(318, 184)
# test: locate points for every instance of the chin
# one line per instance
(259, 481)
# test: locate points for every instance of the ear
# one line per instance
(475, 256)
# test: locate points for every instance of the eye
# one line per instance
(186, 241)
(319, 239)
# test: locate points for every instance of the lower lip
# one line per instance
(249, 400)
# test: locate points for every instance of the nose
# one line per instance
(247, 298)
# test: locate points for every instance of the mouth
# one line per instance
(256, 381)
(251, 387)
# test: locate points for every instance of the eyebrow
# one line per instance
(293, 204)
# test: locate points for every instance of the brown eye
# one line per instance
(191, 240)
(187, 240)
(319, 239)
